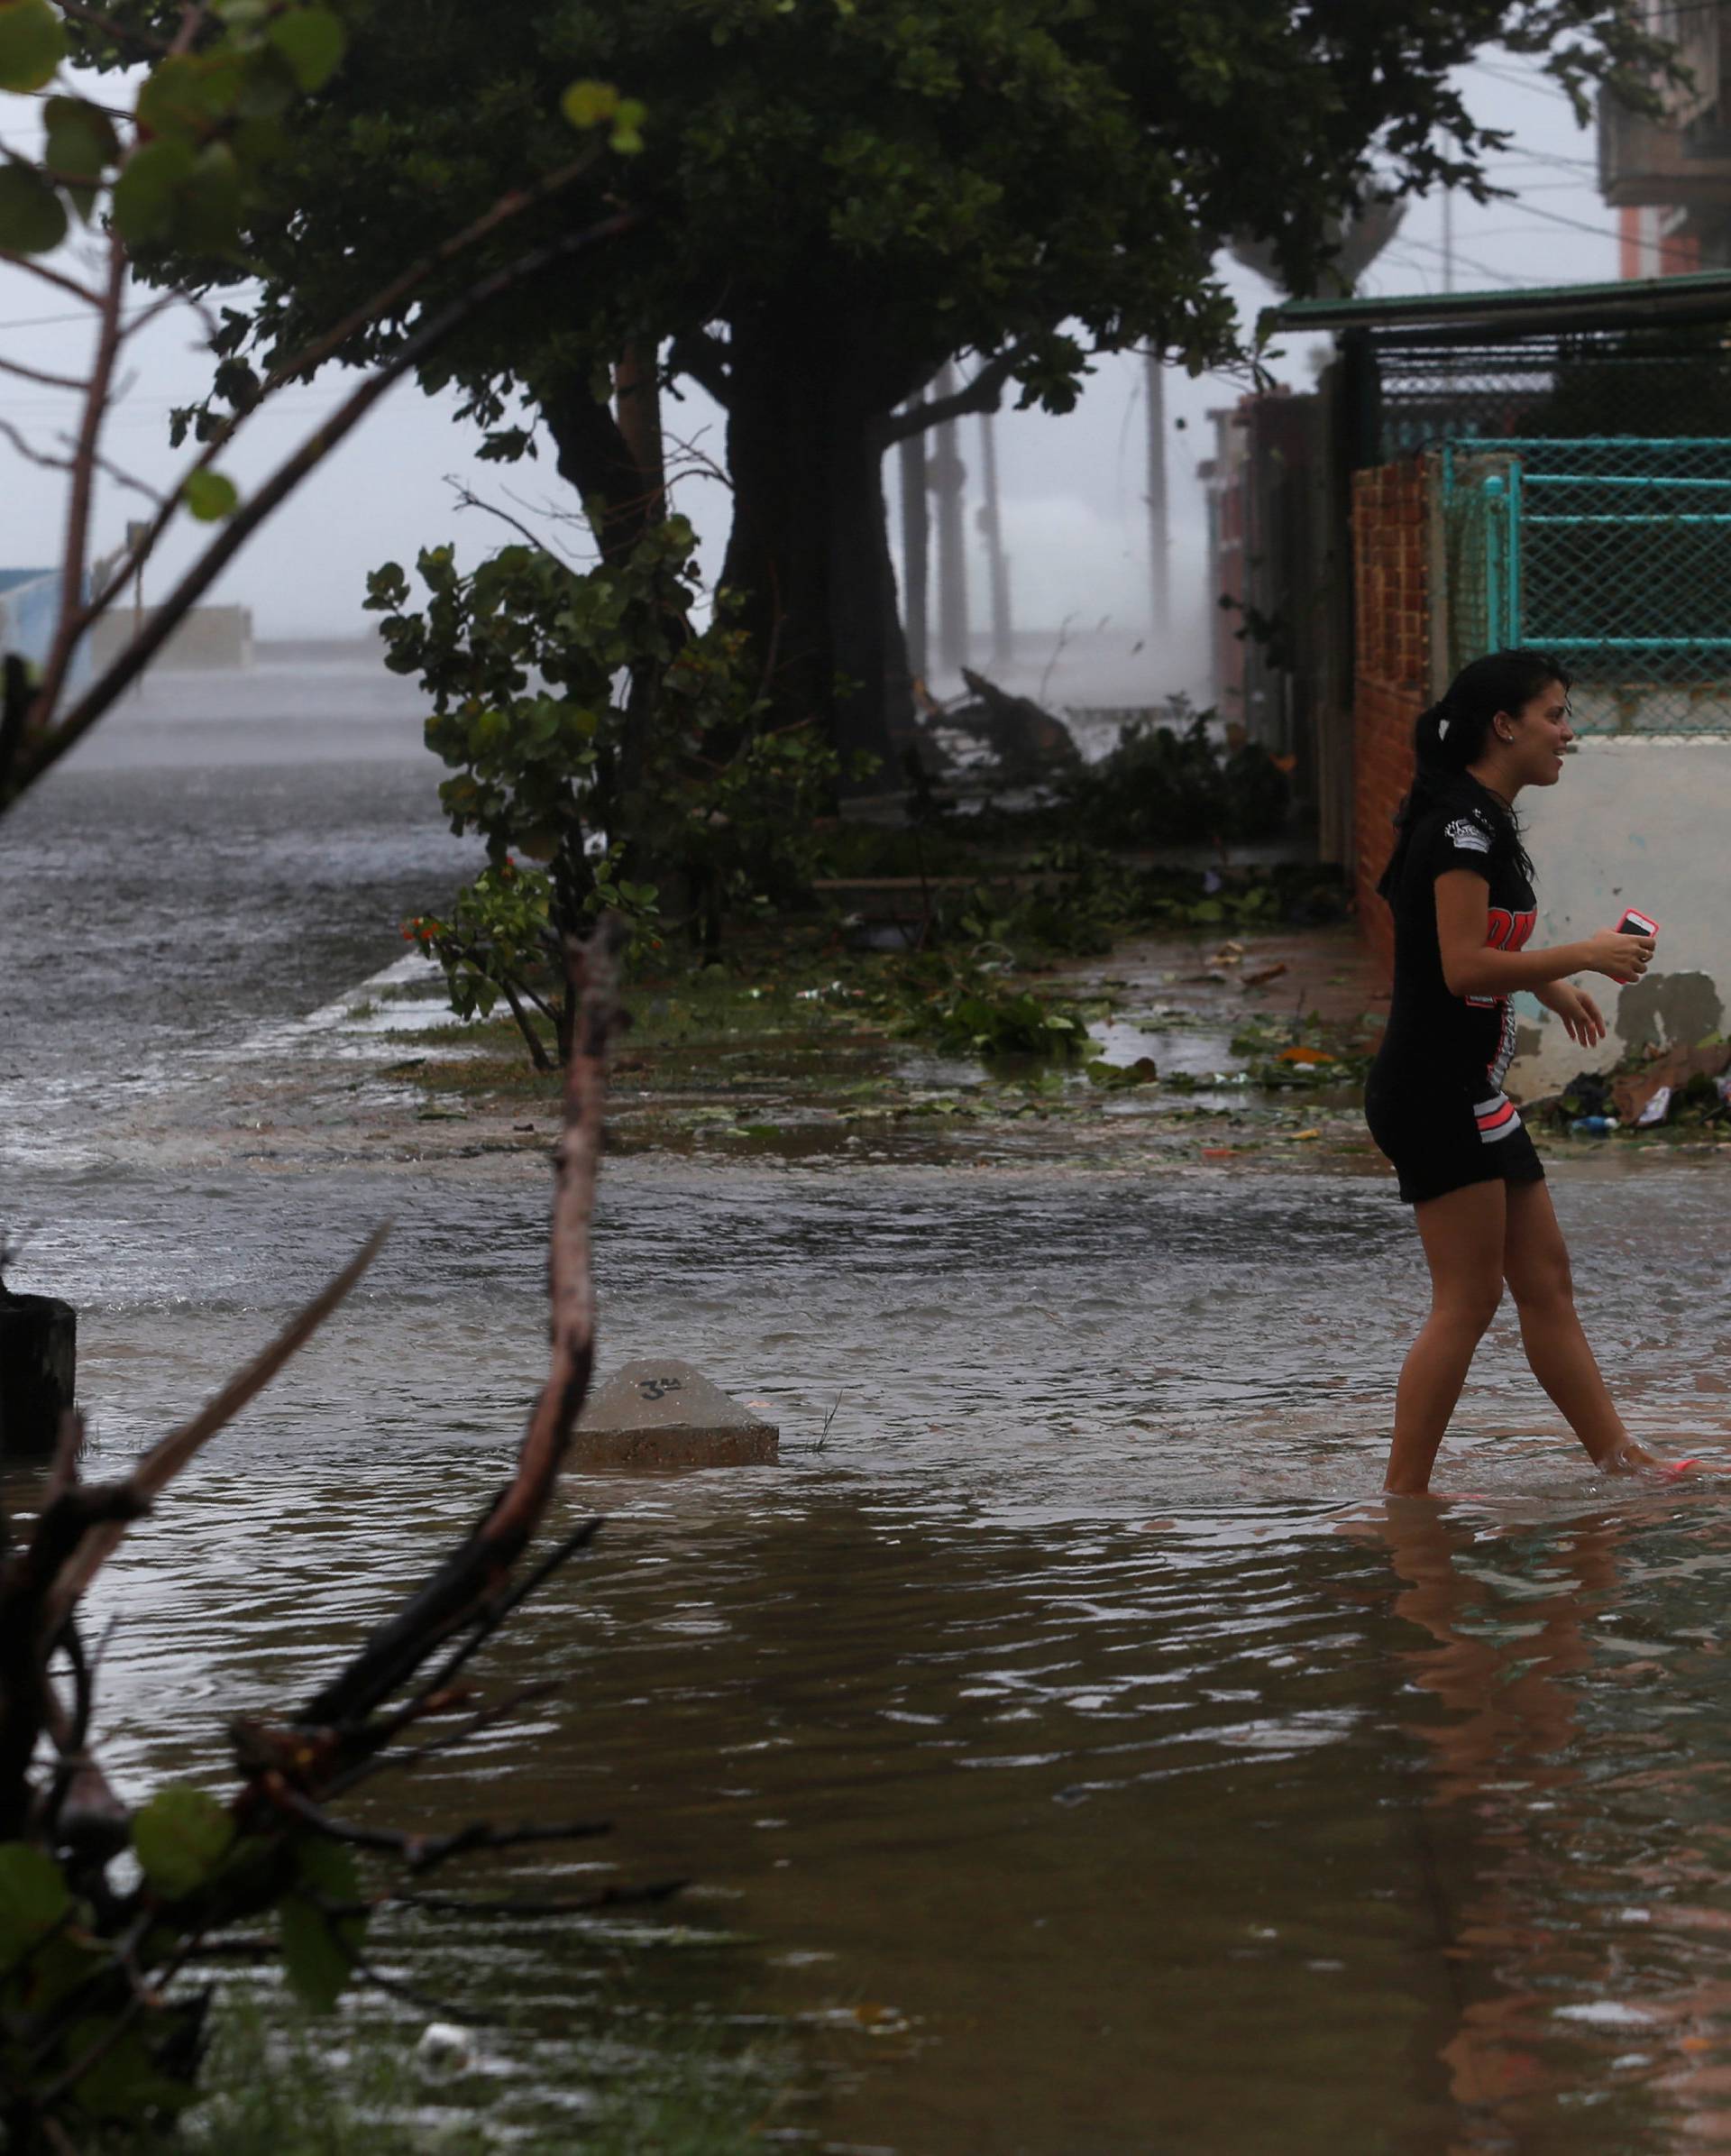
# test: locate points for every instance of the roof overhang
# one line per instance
(1705, 296)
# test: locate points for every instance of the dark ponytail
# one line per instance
(1453, 734)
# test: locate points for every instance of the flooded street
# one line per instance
(1066, 1746)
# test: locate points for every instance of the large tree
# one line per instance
(839, 195)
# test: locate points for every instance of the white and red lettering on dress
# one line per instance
(1504, 930)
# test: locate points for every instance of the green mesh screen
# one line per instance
(1612, 551)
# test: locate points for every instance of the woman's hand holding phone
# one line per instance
(1619, 957)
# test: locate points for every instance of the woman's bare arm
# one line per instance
(1470, 966)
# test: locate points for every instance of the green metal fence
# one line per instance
(1612, 551)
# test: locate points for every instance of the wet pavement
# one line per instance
(1069, 1752)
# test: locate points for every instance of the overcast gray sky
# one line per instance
(1074, 515)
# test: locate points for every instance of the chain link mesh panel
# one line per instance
(1476, 540)
(1612, 551)
(1578, 385)
(1624, 547)
(1612, 540)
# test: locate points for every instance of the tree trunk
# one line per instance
(596, 459)
(636, 389)
(809, 554)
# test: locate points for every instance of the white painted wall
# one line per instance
(1642, 820)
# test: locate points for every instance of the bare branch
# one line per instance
(385, 301)
(69, 1444)
(54, 277)
(426, 2002)
(27, 449)
(705, 359)
(590, 1905)
(160, 1465)
(141, 317)
(571, 1283)
(982, 393)
(468, 499)
(194, 16)
(458, 1590)
(423, 1852)
(697, 459)
(483, 1623)
(123, 478)
(76, 551)
(54, 382)
(46, 749)
(114, 112)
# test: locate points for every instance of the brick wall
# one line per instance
(1391, 669)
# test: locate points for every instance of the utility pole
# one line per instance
(137, 535)
(1448, 239)
(992, 531)
(916, 535)
(1160, 536)
(947, 476)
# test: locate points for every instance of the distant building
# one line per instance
(209, 639)
(1669, 177)
(1278, 590)
(30, 605)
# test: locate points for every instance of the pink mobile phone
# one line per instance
(1635, 925)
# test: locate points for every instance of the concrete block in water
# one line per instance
(660, 1413)
(39, 1339)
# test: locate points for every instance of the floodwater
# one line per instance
(1066, 1747)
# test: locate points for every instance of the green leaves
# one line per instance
(144, 194)
(318, 1945)
(34, 1898)
(312, 40)
(33, 45)
(591, 104)
(81, 144)
(32, 218)
(209, 495)
(209, 123)
(187, 96)
(182, 1837)
(386, 589)
(125, 2082)
(586, 103)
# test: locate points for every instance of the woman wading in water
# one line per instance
(1461, 887)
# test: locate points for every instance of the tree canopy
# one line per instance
(839, 195)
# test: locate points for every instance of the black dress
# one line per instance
(1434, 1100)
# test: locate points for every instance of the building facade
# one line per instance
(1668, 175)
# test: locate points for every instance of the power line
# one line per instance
(1610, 231)
(1466, 260)
(1521, 82)
(1527, 155)
(54, 321)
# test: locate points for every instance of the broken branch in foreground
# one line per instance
(89, 1963)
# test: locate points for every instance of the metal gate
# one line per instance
(1614, 552)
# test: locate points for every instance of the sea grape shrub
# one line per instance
(213, 122)
(592, 727)
(99, 2026)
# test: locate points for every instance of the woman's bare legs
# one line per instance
(1535, 1265)
(1464, 1234)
